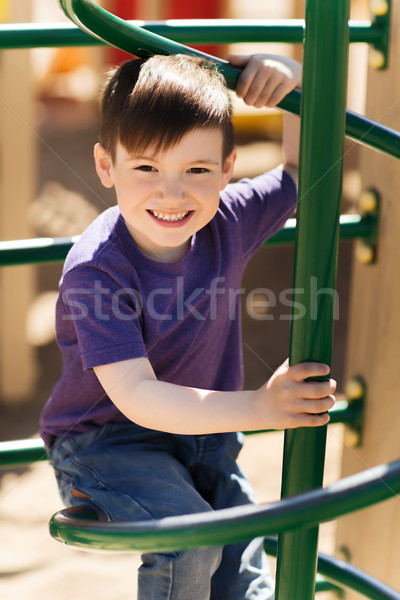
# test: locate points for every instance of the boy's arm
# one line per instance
(285, 401)
(264, 81)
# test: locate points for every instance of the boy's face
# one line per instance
(165, 197)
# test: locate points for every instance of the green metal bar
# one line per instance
(106, 27)
(344, 575)
(33, 251)
(55, 34)
(320, 181)
(363, 130)
(345, 412)
(47, 250)
(348, 576)
(199, 31)
(370, 133)
(323, 585)
(231, 525)
(18, 453)
(351, 227)
(24, 452)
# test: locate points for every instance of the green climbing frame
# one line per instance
(305, 504)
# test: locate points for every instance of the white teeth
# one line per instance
(176, 217)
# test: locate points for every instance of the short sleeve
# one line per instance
(261, 206)
(104, 317)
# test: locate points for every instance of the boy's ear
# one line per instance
(103, 164)
(227, 169)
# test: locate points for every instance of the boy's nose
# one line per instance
(172, 189)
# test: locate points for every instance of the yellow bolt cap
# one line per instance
(368, 201)
(376, 58)
(351, 437)
(364, 253)
(354, 389)
(379, 7)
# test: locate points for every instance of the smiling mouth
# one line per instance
(181, 216)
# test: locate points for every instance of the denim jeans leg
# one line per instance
(178, 576)
(134, 475)
(244, 572)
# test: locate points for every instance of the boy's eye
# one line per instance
(145, 168)
(198, 170)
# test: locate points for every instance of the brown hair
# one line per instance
(157, 100)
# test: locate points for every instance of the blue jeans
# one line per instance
(128, 473)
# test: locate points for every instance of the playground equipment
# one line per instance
(305, 505)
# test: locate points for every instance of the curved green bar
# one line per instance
(115, 31)
(198, 31)
(344, 575)
(348, 576)
(231, 525)
(46, 250)
(136, 40)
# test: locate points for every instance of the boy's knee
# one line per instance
(188, 573)
(204, 560)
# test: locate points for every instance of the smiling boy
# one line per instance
(142, 424)
(176, 193)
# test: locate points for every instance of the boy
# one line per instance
(142, 422)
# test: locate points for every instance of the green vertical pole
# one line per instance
(320, 180)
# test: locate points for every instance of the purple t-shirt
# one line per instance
(116, 304)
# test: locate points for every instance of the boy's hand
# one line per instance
(266, 78)
(288, 401)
